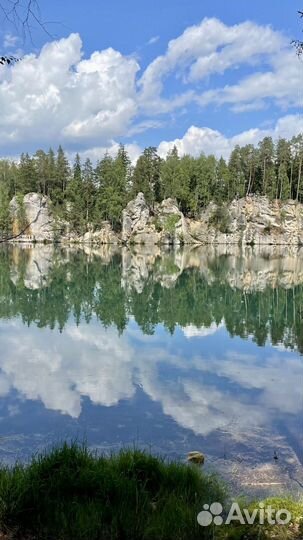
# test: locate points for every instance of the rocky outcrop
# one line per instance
(163, 224)
(37, 223)
(99, 237)
(33, 221)
(251, 220)
(137, 224)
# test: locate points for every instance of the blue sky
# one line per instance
(201, 74)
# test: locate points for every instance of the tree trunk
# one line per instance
(299, 179)
(291, 177)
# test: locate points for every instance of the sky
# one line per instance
(203, 75)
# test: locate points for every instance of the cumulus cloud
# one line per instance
(199, 140)
(58, 96)
(89, 104)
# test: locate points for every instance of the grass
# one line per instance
(73, 494)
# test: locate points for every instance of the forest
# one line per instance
(86, 194)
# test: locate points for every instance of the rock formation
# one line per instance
(252, 220)
(38, 223)
(163, 224)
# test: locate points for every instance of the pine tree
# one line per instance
(283, 182)
(223, 181)
(5, 218)
(27, 181)
(42, 170)
(283, 160)
(237, 185)
(75, 207)
(62, 171)
(89, 190)
(147, 176)
(267, 168)
(298, 154)
(171, 173)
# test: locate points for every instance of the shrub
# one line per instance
(167, 225)
(220, 219)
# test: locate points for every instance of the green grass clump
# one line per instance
(73, 494)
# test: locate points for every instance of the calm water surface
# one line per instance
(199, 349)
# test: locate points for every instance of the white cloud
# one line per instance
(281, 84)
(89, 104)
(10, 41)
(153, 40)
(205, 49)
(57, 96)
(209, 141)
(97, 152)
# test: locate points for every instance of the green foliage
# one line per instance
(86, 195)
(146, 176)
(220, 219)
(170, 222)
(21, 214)
(5, 218)
(73, 494)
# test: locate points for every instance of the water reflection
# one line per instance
(133, 346)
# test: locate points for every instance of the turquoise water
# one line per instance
(197, 349)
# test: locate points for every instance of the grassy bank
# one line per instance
(70, 493)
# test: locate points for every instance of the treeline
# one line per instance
(86, 195)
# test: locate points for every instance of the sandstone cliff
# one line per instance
(251, 220)
(32, 219)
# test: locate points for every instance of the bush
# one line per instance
(220, 219)
(167, 225)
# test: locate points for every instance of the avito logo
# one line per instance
(212, 514)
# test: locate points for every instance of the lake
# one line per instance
(173, 351)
